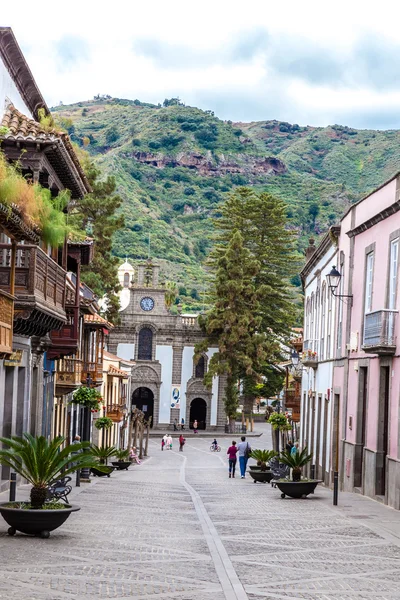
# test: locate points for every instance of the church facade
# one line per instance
(166, 383)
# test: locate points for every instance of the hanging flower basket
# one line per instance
(87, 397)
(103, 423)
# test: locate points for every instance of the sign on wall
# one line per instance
(175, 396)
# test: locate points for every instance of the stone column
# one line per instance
(177, 352)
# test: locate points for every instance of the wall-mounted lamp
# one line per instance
(294, 357)
(333, 282)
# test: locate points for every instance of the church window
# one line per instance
(200, 368)
(145, 349)
(126, 279)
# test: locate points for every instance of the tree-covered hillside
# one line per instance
(173, 165)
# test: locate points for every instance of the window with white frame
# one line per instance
(317, 331)
(369, 276)
(323, 307)
(340, 311)
(394, 260)
(328, 333)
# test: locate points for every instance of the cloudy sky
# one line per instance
(312, 63)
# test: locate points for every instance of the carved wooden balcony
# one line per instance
(116, 412)
(65, 341)
(6, 323)
(379, 332)
(39, 289)
(68, 375)
(94, 371)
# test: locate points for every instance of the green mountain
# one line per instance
(174, 164)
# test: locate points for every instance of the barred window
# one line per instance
(145, 349)
(200, 368)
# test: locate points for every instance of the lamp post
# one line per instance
(333, 279)
(86, 422)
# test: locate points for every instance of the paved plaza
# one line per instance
(177, 527)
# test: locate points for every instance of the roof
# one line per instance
(326, 242)
(110, 356)
(60, 151)
(97, 320)
(115, 372)
(20, 73)
(14, 225)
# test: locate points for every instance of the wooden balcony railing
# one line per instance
(94, 370)
(6, 322)
(68, 375)
(116, 412)
(39, 289)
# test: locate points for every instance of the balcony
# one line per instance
(309, 358)
(94, 371)
(6, 323)
(116, 412)
(68, 375)
(39, 289)
(379, 329)
(65, 341)
(292, 399)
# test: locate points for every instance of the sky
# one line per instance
(311, 63)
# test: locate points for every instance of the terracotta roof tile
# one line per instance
(114, 371)
(98, 320)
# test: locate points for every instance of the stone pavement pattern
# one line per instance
(177, 528)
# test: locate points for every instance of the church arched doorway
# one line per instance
(143, 399)
(198, 412)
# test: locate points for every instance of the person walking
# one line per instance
(295, 449)
(162, 443)
(165, 438)
(289, 446)
(195, 426)
(181, 442)
(169, 442)
(175, 425)
(232, 451)
(244, 455)
(182, 423)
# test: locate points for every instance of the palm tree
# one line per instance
(102, 454)
(41, 462)
(263, 457)
(122, 455)
(296, 462)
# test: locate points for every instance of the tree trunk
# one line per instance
(146, 449)
(141, 430)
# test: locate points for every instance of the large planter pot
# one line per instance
(35, 522)
(297, 489)
(98, 473)
(122, 465)
(261, 476)
(257, 468)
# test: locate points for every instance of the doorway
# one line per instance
(360, 426)
(143, 399)
(383, 432)
(198, 412)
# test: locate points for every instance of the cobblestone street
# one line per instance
(177, 527)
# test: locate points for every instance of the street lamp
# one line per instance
(294, 357)
(333, 279)
(86, 422)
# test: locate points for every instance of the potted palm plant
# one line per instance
(102, 454)
(298, 487)
(262, 472)
(123, 461)
(40, 462)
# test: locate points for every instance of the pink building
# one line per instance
(366, 374)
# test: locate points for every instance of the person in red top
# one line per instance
(232, 459)
(181, 442)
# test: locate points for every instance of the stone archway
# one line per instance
(198, 412)
(147, 377)
(196, 390)
(143, 399)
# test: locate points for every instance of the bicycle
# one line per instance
(215, 449)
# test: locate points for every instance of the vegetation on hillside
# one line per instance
(174, 164)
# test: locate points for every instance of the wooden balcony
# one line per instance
(65, 341)
(94, 371)
(68, 375)
(379, 332)
(39, 289)
(116, 412)
(6, 323)
(292, 399)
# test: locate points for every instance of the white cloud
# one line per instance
(310, 62)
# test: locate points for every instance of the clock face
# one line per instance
(147, 303)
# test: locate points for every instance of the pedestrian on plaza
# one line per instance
(175, 425)
(289, 446)
(182, 423)
(195, 426)
(244, 455)
(165, 438)
(169, 442)
(162, 444)
(181, 442)
(232, 451)
(295, 449)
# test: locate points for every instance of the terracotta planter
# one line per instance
(35, 522)
(297, 489)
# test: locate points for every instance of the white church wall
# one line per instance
(164, 356)
(187, 372)
(214, 389)
(126, 351)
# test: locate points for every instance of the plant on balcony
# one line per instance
(34, 203)
(308, 355)
(42, 462)
(263, 457)
(88, 397)
(103, 423)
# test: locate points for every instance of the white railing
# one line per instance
(379, 327)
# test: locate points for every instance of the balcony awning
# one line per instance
(115, 372)
(97, 320)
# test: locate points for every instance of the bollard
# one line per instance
(13, 486)
(312, 473)
(335, 488)
(78, 478)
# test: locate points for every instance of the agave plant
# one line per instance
(263, 457)
(41, 462)
(122, 455)
(296, 462)
(102, 454)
